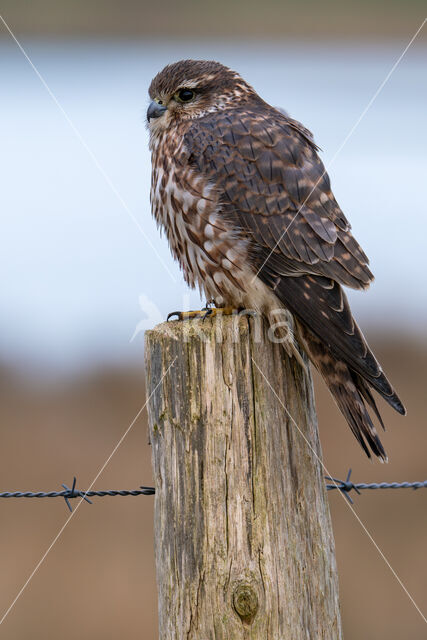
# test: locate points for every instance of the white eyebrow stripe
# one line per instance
(189, 84)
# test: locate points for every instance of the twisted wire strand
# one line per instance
(346, 486)
(146, 491)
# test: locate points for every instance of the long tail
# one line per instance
(350, 392)
(338, 349)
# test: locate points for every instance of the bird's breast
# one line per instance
(212, 254)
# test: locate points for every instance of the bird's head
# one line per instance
(191, 88)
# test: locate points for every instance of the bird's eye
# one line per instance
(185, 95)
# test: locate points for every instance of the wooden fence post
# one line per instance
(243, 538)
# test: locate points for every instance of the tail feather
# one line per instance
(369, 398)
(337, 348)
(350, 392)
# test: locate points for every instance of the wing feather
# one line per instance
(273, 184)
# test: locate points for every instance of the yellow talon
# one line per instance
(222, 311)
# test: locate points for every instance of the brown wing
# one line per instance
(274, 186)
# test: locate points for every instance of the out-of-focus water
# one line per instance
(74, 265)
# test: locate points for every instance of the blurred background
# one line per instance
(84, 272)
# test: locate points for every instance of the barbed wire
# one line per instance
(345, 486)
(68, 494)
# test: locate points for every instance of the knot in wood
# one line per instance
(245, 601)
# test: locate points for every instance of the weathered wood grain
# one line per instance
(243, 538)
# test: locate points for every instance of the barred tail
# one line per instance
(350, 392)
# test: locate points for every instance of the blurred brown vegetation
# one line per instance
(222, 18)
(98, 580)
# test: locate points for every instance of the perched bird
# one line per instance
(248, 211)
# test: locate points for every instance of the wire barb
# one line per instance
(345, 486)
(72, 493)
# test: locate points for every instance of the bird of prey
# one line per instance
(248, 211)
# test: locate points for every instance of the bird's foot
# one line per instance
(202, 314)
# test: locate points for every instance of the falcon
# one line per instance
(247, 207)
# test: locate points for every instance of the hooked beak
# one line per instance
(155, 110)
